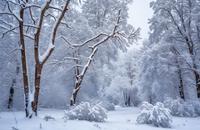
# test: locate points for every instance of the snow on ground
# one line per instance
(121, 119)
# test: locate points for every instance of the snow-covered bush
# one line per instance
(108, 106)
(86, 111)
(181, 108)
(176, 106)
(157, 115)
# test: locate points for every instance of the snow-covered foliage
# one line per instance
(108, 105)
(169, 64)
(181, 108)
(87, 111)
(157, 115)
(117, 82)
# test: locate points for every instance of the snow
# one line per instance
(121, 119)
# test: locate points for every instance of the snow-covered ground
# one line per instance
(121, 119)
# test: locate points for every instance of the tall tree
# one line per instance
(175, 22)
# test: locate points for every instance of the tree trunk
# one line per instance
(38, 71)
(10, 100)
(24, 62)
(196, 74)
(127, 98)
(197, 78)
(181, 89)
(75, 93)
(194, 66)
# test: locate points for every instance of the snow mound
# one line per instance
(86, 111)
(181, 108)
(157, 115)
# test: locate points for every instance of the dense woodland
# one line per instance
(59, 53)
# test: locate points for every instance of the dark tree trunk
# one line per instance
(127, 97)
(38, 71)
(181, 88)
(24, 62)
(74, 94)
(11, 95)
(197, 78)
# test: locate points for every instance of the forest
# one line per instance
(71, 64)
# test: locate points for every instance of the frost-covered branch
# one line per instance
(50, 49)
(8, 30)
(11, 13)
(84, 43)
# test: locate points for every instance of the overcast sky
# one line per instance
(139, 13)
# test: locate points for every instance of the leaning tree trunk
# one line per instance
(74, 93)
(80, 76)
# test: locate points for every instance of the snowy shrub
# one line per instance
(108, 106)
(86, 111)
(146, 106)
(183, 109)
(176, 106)
(157, 115)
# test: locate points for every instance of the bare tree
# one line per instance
(96, 41)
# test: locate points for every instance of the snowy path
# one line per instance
(121, 119)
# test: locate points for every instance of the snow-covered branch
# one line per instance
(50, 49)
(90, 58)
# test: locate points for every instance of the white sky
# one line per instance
(139, 13)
